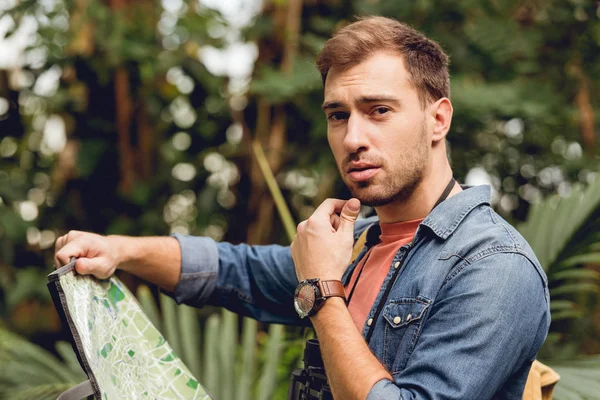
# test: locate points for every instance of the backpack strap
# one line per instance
(81, 391)
(360, 243)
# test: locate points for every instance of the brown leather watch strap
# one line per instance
(332, 289)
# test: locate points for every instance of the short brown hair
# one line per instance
(425, 61)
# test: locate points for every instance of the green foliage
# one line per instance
(562, 233)
(519, 73)
(280, 87)
(30, 372)
(560, 226)
(217, 356)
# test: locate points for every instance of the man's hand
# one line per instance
(323, 245)
(96, 255)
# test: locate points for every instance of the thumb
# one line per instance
(92, 266)
(348, 215)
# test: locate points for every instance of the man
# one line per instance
(446, 300)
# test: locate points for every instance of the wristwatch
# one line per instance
(311, 294)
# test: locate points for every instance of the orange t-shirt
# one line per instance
(378, 262)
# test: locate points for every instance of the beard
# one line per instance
(402, 182)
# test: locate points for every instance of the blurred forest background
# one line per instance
(138, 117)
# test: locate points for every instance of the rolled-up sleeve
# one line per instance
(384, 390)
(254, 281)
(199, 270)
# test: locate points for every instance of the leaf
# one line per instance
(228, 343)
(148, 304)
(566, 314)
(169, 310)
(190, 338)
(579, 273)
(246, 373)
(30, 283)
(65, 350)
(279, 87)
(557, 220)
(210, 379)
(26, 365)
(574, 288)
(39, 392)
(562, 305)
(590, 258)
(267, 381)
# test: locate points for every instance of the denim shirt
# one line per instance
(463, 320)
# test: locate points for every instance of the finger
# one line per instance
(335, 221)
(72, 235)
(73, 248)
(92, 266)
(349, 215)
(60, 242)
(301, 226)
(328, 207)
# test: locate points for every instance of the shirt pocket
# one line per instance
(403, 320)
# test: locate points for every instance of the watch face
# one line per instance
(304, 300)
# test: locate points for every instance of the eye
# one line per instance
(380, 110)
(337, 116)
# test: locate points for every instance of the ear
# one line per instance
(441, 112)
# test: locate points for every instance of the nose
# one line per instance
(356, 138)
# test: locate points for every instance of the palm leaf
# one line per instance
(553, 223)
(169, 309)
(247, 366)
(41, 392)
(589, 258)
(148, 304)
(583, 274)
(28, 371)
(211, 341)
(189, 328)
(228, 343)
(268, 379)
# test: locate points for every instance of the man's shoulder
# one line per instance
(485, 233)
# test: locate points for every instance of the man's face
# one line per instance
(377, 130)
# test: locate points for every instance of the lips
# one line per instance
(361, 171)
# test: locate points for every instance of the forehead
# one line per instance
(381, 73)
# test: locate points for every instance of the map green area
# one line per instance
(129, 358)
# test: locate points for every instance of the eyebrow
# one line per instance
(363, 100)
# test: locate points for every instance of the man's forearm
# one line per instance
(351, 368)
(154, 259)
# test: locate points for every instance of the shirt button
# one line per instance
(396, 264)
(408, 317)
(397, 320)
(369, 321)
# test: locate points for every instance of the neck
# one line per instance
(422, 200)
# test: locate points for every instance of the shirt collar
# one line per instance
(445, 218)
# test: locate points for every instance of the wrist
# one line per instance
(332, 306)
(120, 252)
